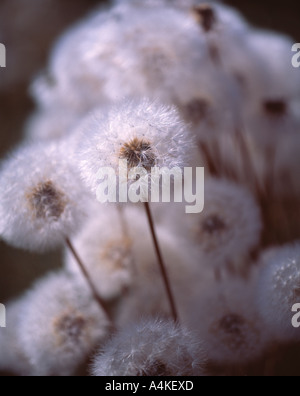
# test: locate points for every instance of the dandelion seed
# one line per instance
(151, 348)
(42, 201)
(60, 326)
(278, 291)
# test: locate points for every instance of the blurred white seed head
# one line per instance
(278, 291)
(168, 47)
(60, 326)
(279, 80)
(42, 200)
(258, 61)
(227, 319)
(229, 228)
(271, 100)
(12, 356)
(151, 348)
(141, 134)
(106, 250)
(50, 124)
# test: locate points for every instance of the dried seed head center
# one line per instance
(232, 324)
(276, 108)
(206, 16)
(213, 224)
(69, 328)
(46, 201)
(138, 152)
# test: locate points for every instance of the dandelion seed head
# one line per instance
(42, 200)
(151, 348)
(232, 333)
(138, 152)
(51, 124)
(60, 325)
(272, 51)
(279, 290)
(144, 133)
(110, 65)
(46, 202)
(106, 249)
(230, 226)
(259, 62)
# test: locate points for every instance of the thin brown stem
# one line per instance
(88, 279)
(161, 263)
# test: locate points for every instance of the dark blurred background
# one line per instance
(28, 29)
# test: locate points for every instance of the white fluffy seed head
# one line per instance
(168, 47)
(60, 326)
(76, 89)
(273, 51)
(279, 291)
(227, 320)
(229, 228)
(42, 200)
(50, 124)
(151, 348)
(143, 134)
(106, 249)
